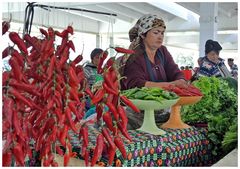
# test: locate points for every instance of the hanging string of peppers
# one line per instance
(44, 97)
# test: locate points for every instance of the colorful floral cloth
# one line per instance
(178, 147)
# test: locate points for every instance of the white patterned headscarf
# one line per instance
(143, 25)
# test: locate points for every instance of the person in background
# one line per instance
(90, 70)
(187, 73)
(151, 65)
(192, 71)
(182, 68)
(212, 64)
(233, 67)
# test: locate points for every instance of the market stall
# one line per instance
(44, 98)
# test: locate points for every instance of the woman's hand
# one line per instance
(180, 83)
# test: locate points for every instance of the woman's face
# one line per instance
(213, 56)
(154, 38)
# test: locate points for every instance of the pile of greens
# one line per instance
(218, 108)
(146, 93)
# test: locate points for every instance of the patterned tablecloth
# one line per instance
(178, 147)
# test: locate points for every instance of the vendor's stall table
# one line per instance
(178, 147)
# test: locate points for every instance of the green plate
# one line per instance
(152, 104)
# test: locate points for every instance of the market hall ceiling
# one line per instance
(182, 18)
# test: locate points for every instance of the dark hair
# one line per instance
(96, 52)
(212, 46)
(230, 59)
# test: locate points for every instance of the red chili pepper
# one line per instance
(8, 141)
(76, 60)
(83, 150)
(64, 34)
(195, 90)
(98, 96)
(102, 58)
(99, 111)
(89, 92)
(186, 92)
(122, 50)
(44, 45)
(17, 95)
(66, 159)
(108, 137)
(40, 118)
(63, 135)
(64, 57)
(74, 95)
(109, 98)
(51, 33)
(98, 149)
(113, 75)
(7, 159)
(15, 38)
(8, 109)
(113, 109)
(5, 77)
(86, 157)
(119, 143)
(69, 117)
(72, 76)
(32, 116)
(54, 164)
(6, 52)
(58, 33)
(18, 153)
(71, 45)
(51, 67)
(123, 116)
(46, 163)
(59, 150)
(111, 155)
(108, 79)
(84, 133)
(124, 131)
(73, 108)
(16, 125)
(129, 103)
(115, 100)
(29, 39)
(48, 125)
(108, 120)
(109, 90)
(25, 87)
(54, 133)
(45, 33)
(49, 45)
(50, 158)
(16, 69)
(16, 55)
(70, 29)
(5, 27)
(178, 91)
(109, 63)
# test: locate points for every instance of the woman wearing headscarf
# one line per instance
(151, 65)
(212, 64)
